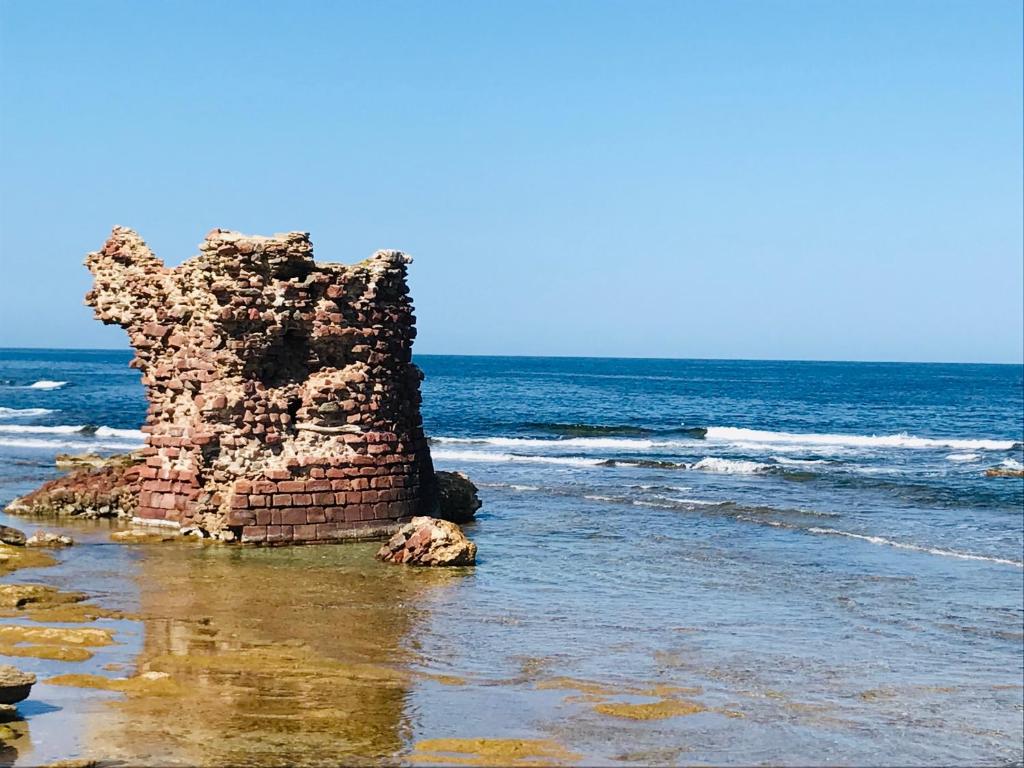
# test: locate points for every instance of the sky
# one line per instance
(720, 179)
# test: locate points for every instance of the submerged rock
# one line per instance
(47, 539)
(429, 541)
(1004, 472)
(39, 595)
(457, 497)
(15, 685)
(12, 536)
(143, 536)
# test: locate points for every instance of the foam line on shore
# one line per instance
(882, 541)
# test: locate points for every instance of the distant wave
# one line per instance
(786, 461)
(598, 430)
(69, 445)
(902, 440)
(47, 384)
(963, 457)
(23, 413)
(730, 466)
(80, 429)
(487, 456)
(882, 541)
(758, 441)
(535, 443)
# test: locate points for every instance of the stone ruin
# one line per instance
(283, 402)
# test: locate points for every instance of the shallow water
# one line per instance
(850, 595)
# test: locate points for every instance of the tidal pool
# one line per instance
(557, 649)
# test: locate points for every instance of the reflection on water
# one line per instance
(261, 656)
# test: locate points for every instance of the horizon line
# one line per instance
(605, 357)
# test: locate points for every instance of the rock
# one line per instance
(47, 539)
(109, 489)
(429, 541)
(12, 536)
(66, 461)
(15, 685)
(140, 536)
(456, 497)
(1004, 472)
(36, 595)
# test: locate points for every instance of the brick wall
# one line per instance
(283, 403)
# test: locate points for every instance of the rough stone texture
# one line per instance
(284, 405)
(457, 497)
(1004, 472)
(47, 539)
(90, 489)
(12, 536)
(15, 685)
(429, 541)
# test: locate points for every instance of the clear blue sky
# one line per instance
(815, 180)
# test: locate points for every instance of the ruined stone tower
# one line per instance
(283, 402)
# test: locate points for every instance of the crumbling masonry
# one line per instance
(283, 401)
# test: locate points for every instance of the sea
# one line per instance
(680, 562)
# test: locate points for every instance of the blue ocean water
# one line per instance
(815, 545)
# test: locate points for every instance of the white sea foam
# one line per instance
(691, 502)
(510, 486)
(536, 443)
(68, 445)
(1012, 464)
(135, 434)
(882, 541)
(902, 440)
(963, 457)
(596, 497)
(488, 456)
(79, 429)
(729, 466)
(23, 413)
(47, 384)
(798, 462)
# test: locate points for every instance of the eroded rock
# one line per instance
(91, 489)
(48, 539)
(429, 541)
(457, 497)
(15, 685)
(12, 536)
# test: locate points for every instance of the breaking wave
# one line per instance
(604, 430)
(730, 466)
(963, 457)
(47, 384)
(486, 456)
(85, 430)
(902, 440)
(24, 413)
(69, 445)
